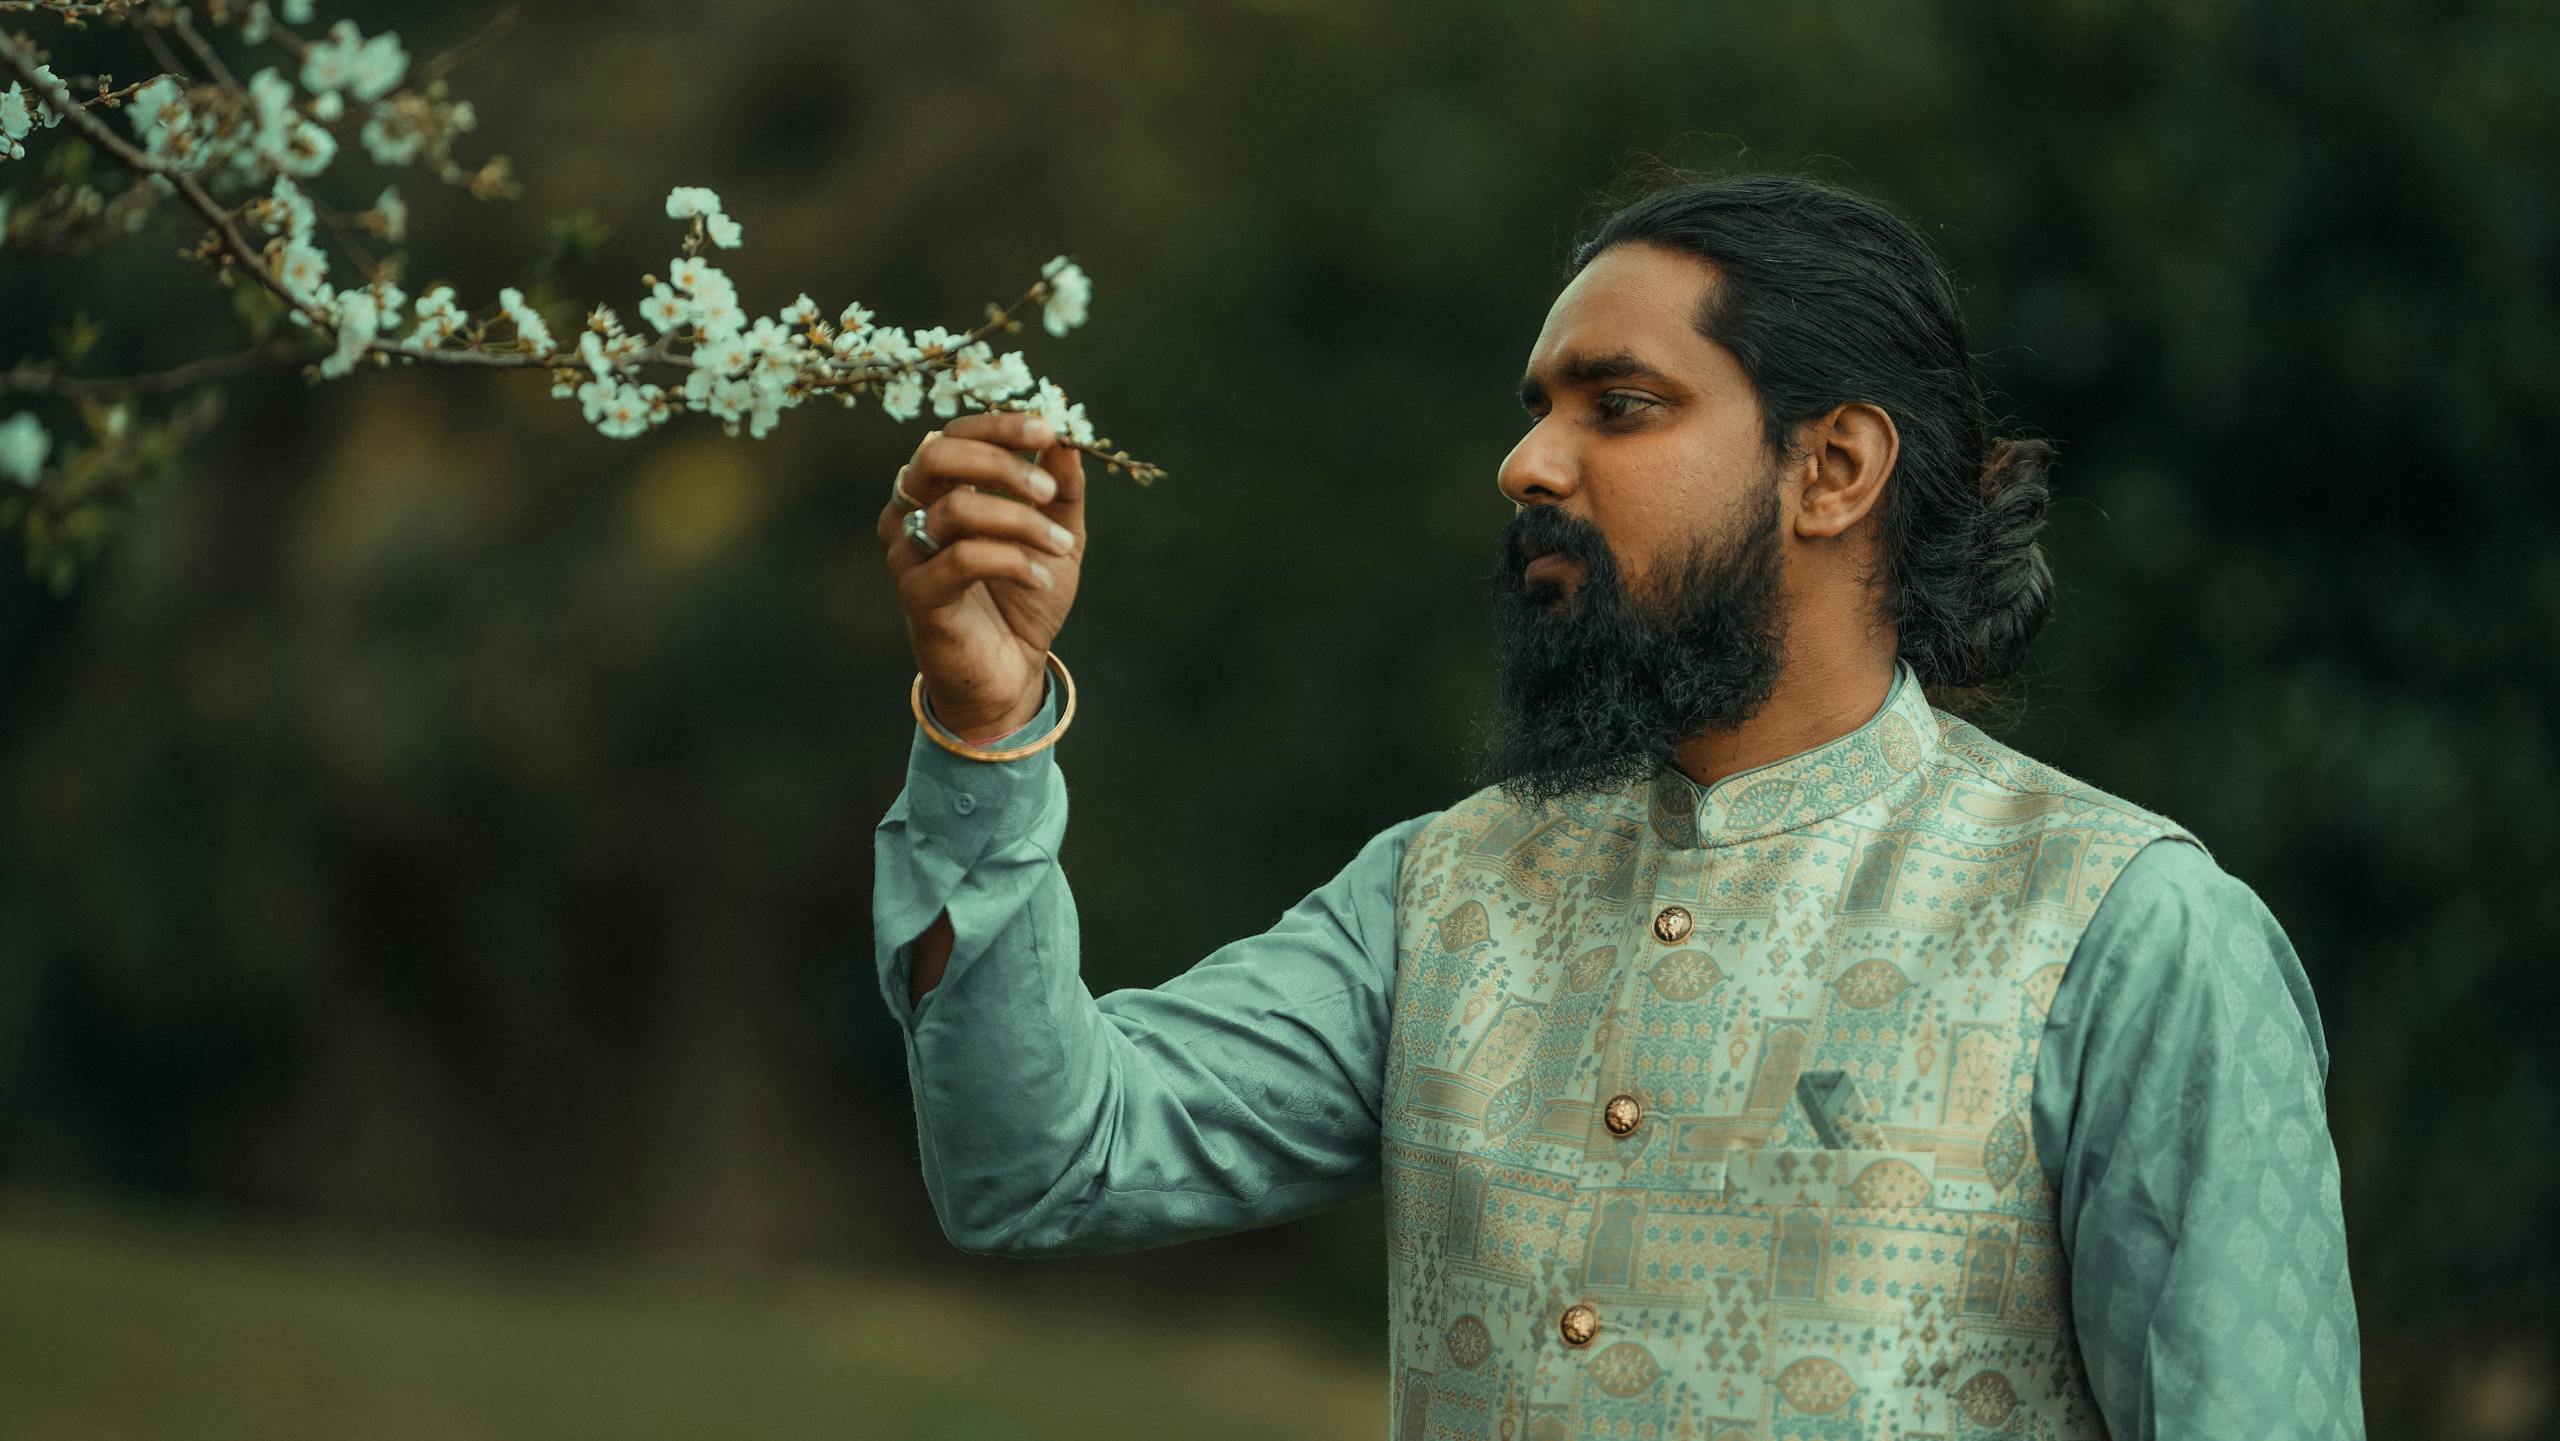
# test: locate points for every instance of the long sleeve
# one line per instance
(2179, 1111)
(1242, 1092)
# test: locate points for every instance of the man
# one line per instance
(1763, 1051)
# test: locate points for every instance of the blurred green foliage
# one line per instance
(432, 814)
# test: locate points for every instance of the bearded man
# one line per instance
(1762, 1050)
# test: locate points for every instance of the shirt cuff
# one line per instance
(967, 802)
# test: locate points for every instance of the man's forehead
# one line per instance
(1629, 313)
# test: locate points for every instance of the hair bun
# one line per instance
(2013, 595)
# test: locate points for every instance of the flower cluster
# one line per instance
(686, 202)
(20, 113)
(278, 130)
(365, 69)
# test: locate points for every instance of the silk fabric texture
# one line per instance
(1977, 1101)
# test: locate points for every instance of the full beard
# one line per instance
(1598, 688)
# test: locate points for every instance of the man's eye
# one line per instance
(1607, 399)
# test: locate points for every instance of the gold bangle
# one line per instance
(915, 701)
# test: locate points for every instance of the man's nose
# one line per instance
(1535, 472)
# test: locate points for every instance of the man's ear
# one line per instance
(1847, 455)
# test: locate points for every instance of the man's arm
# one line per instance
(2178, 1111)
(1241, 1093)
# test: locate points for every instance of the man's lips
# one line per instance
(1553, 563)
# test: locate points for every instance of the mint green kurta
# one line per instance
(2181, 1153)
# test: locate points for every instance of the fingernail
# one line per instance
(1043, 484)
(1039, 433)
(1040, 573)
(1062, 537)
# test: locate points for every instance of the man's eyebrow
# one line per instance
(1576, 370)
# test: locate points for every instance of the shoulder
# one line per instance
(2016, 785)
(2180, 947)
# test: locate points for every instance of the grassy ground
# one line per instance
(117, 1325)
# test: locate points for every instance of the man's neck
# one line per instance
(1818, 699)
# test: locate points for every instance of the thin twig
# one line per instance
(115, 97)
(204, 51)
(31, 378)
(161, 52)
(499, 24)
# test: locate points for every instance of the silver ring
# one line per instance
(914, 527)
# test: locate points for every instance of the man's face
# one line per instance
(1662, 615)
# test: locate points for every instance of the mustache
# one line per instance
(1546, 530)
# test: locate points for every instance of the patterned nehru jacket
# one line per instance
(1707, 1111)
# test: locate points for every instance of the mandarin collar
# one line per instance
(1798, 790)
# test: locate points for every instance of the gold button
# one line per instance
(1671, 925)
(1622, 1114)
(1579, 1324)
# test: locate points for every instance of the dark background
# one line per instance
(435, 981)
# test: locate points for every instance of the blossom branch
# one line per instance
(96, 132)
(736, 368)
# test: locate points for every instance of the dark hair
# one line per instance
(1825, 297)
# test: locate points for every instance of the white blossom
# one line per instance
(631, 411)
(1069, 292)
(304, 273)
(297, 12)
(367, 69)
(802, 311)
(717, 312)
(595, 395)
(854, 320)
(290, 211)
(162, 118)
(889, 345)
(591, 350)
(22, 111)
(903, 397)
(725, 232)
(438, 319)
(327, 106)
(357, 322)
(285, 140)
(253, 31)
(528, 323)
(665, 309)
(23, 445)
(394, 212)
(392, 138)
(13, 122)
(1050, 404)
(388, 297)
(687, 201)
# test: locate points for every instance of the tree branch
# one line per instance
(31, 378)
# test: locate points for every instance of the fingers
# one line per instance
(943, 577)
(1004, 429)
(944, 461)
(964, 513)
